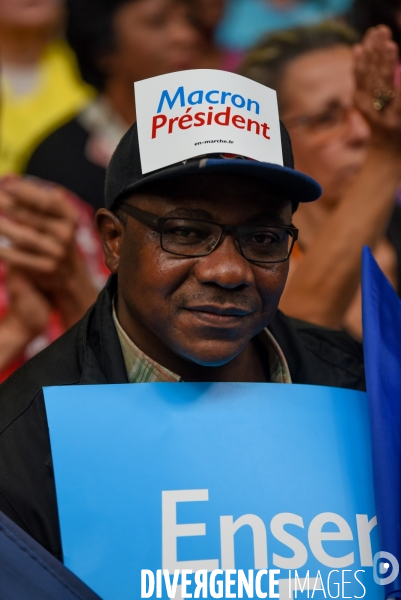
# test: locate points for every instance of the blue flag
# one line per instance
(28, 571)
(382, 346)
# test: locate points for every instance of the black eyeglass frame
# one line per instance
(158, 223)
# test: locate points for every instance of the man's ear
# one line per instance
(111, 231)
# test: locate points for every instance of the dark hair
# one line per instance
(266, 62)
(90, 33)
(369, 13)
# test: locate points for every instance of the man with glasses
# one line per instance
(198, 253)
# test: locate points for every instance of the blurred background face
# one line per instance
(153, 37)
(30, 14)
(328, 134)
(208, 13)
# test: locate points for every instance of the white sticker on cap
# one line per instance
(192, 113)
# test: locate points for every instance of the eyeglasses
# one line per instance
(330, 122)
(195, 238)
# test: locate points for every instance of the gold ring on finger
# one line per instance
(382, 99)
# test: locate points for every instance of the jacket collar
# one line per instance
(101, 356)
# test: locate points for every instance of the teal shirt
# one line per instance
(247, 20)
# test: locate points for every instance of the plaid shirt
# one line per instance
(142, 369)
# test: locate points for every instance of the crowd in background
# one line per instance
(67, 97)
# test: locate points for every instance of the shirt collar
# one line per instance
(142, 369)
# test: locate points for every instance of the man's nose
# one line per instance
(225, 267)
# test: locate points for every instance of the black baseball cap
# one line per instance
(124, 174)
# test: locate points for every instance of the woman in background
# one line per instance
(350, 145)
(117, 42)
(40, 82)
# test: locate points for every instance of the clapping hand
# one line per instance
(37, 237)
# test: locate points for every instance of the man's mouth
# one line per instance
(228, 311)
(219, 314)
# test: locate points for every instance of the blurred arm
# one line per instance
(27, 317)
(328, 275)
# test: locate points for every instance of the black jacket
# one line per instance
(62, 158)
(90, 353)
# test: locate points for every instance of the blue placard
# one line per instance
(160, 476)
